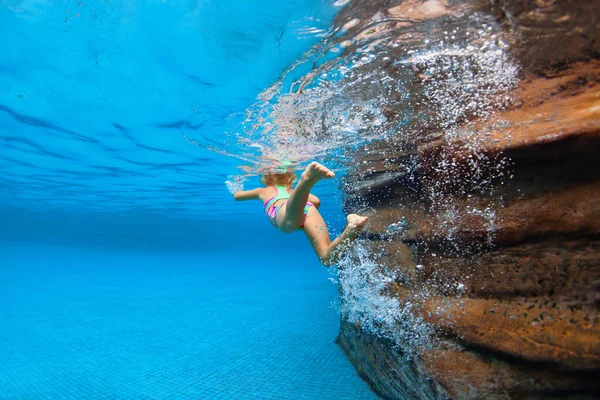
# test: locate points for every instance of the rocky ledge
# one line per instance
(499, 252)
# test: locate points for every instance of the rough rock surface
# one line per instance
(512, 272)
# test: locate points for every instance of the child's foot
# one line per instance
(356, 222)
(315, 172)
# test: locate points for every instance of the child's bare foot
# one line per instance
(315, 172)
(356, 222)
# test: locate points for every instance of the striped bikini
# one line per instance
(271, 209)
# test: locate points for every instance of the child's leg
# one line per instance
(316, 232)
(294, 208)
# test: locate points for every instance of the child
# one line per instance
(289, 210)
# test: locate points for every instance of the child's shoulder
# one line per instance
(267, 190)
(265, 193)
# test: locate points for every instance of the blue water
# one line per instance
(126, 270)
(89, 323)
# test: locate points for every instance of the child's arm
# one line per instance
(247, 194)
(314, 200)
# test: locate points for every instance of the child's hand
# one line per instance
(231, 187)
(235, 186)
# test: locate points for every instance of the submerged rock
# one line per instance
(499, 256)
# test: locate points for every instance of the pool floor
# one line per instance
(90, 324)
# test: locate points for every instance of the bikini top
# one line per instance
(282, 193)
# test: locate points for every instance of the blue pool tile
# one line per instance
(181, 332)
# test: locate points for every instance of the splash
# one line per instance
(236, 184)
(381, 91)
(371, 89)
(364, 281)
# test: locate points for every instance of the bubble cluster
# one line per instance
(466, 80)
(363, 283)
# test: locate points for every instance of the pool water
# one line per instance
(126, 269)
(138, 324)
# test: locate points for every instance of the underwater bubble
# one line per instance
(341, 3)
(350, 24)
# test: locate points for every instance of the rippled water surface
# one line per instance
(97, 98)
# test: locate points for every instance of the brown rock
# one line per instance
(500, 254)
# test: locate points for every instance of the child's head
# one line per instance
(286, 178)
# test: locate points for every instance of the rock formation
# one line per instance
(499, 253)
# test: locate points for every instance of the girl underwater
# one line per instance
(290, 210)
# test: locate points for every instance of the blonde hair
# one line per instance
(281, 179)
